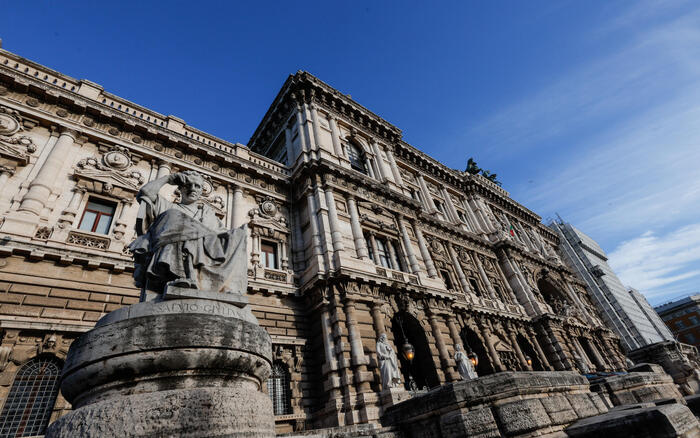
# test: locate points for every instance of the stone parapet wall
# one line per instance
(499, 405)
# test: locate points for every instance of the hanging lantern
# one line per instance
(528, 359)
(408, 351)
(474, 359)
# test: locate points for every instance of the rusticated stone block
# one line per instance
(582, 405)
(477, 424)
(522, 416)
(666, 421)
(559, 409)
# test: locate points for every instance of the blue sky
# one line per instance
(588, 109)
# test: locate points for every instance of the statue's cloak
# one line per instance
(188, 243)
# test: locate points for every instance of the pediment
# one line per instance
(16, 150)
(118, 184)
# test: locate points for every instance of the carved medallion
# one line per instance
(9, 121)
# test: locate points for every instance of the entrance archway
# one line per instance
(422, 368)
(473, 343)
(528, 350)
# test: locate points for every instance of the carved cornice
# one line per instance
(55, 101)
(303, 87)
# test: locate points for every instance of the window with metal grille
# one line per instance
(278, 388)
(30, 402)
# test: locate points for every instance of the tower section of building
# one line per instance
(624, 310)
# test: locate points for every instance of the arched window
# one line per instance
(31, 399)
(278, 388)
(357, 158)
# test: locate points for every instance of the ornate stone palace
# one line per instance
(353, 233)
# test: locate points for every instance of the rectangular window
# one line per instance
(396, 256)
(370, 250)
(446, 278)
(268, 254)
(679, 324)
(461, 217)
(689, 338)
(97, 216)
(694, 320)
(475, 286)
(383, 253)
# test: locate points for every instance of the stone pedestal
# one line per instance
(186, 368)
(391, 396)
(509, 404)
(648, 385)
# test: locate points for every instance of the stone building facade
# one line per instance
(352, 233)
(683, 318)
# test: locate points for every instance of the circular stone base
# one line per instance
(238, 412)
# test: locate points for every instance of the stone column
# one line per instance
(378, 318)
(450, 206)
(40, 188)
(426, 193)
(336, 234)
(454, 331)
(314, 126)
(163, 169)
(482, 214)
(458, 267)
(393, 256)
(289, 145)
(410, 254)
(394, 167)
(492, 349)
(538, 349)
(485, 278)
(309, 129)
(300, 128)
(237, 218)
(384, 173)
(526, 238)
(474, 223)
(5, 174)
(429, 265)
(359, 360)
(315, 233)
(375, 252)
(335, 135)
(514, 340)
(358, 237)
(597, 358)
(442, 348)
(71, 212)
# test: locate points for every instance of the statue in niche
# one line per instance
(388, 364)
(581, 365)
(464, 364)
(184, 245)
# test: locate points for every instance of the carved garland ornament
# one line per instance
(14, 150)
(109, 174)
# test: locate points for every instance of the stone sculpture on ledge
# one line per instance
(189, 361)
(388, 364)
(183, 245)
(464, 364)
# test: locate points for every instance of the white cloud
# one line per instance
(660, 265)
